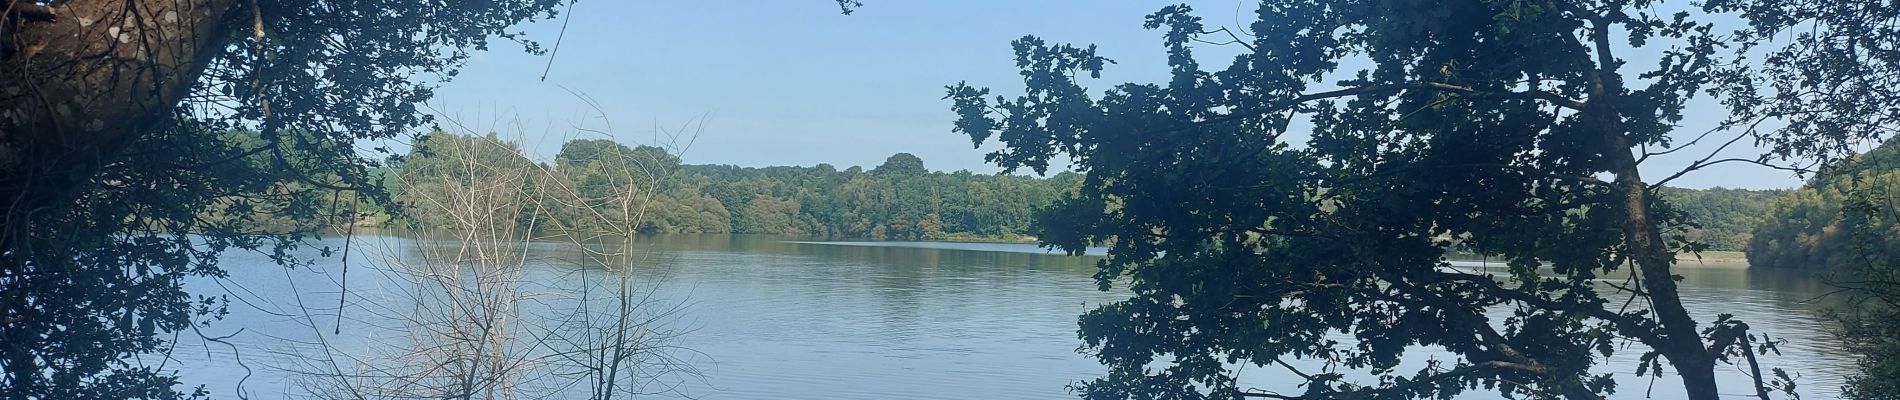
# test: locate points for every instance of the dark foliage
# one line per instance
(1511, 129)
(93, 265)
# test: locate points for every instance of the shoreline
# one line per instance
(987, 239)
(1723, 259)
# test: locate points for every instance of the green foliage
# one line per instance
(1872, 330)
(1868, 271)
(1833, 223)
(440, 160)
(899, 200)
(1721, 218)
(896, 201)
(1438, 127)
(93, 272)
(901, 164)
(1843, 224)
(770, 215)
(100, 281)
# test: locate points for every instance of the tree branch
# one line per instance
(1379, 392)
(1553, 98)
(1230, 34)
(1699, 166)
(1625, 324)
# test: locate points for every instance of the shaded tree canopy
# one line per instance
(1868, 270)
(902, 164)
(139, 139)
(1515, 128)
(1871, 327)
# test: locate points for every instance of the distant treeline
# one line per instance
(1842, 220)
(897, 200)
(1724, 219)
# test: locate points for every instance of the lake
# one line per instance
(769, 318)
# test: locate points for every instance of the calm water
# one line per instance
(773, 319)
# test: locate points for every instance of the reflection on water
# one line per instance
(878, 320)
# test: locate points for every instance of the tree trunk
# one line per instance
(84, 78)
(1678, 339)
(1681, 343)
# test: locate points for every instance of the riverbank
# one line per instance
(787, 320)
(975, 238)
(1728, 259)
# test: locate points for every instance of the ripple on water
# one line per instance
(959, 321)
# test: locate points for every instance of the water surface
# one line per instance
(767, 318)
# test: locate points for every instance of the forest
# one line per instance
(1842, 220)
(900, 199)
(1721, 218)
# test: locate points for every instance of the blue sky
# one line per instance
(793, 82)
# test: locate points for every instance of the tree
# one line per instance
(1723, 217)
(466, 327)
(1836, 223)
(901, 164)
(441, 162)
(1870, 277)
(604, 170)
(1870, 332)
(931, 228)
(461, 334)
(111, 115)
(1843, 224)
(824, 202)
(1511, 129)
(765, 214)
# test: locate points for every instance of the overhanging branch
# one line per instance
(1552, 98)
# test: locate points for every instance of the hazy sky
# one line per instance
(793, 82)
